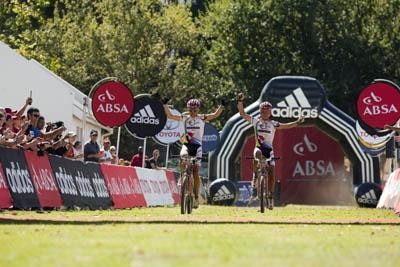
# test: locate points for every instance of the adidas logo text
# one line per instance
(223, 194)
(368, 198)
(145, 116)
(294, 106)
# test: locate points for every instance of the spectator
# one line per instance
(78, 150)
(18, 123)
(137, 159)
(114, 156)
(69, 141)
(33, 116)
(91, 150)
(106, 150)
(152, 163)
(59, 144)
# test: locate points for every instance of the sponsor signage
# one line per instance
(18, 179)
(312, 155)
(112, 103)
(368, 194)
(124, 186)
(43, 180)
(371, 141)
(92, 171)
(311, 168)
(210, 138)
(379, 104)
(148, 117)
(244, 190)
(294, 105)
(155, 187)
(5, 197)
(75, 180)
(222, 192)
(173, 130)
(171, 177)
(295, 97)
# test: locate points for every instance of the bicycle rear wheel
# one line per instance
(262, 194)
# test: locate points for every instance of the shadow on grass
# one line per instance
(31, 221)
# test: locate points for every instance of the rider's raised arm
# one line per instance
(243, 113)
(291, 124)
(393, 128)
(170, 115)
(214, 115)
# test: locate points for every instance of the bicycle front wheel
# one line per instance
(184, 195)
(262, 194)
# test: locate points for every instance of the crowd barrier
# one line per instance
(31, 181)
(390, 198)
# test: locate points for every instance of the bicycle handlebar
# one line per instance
(268, 159)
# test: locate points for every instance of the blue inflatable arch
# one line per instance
(291, 96)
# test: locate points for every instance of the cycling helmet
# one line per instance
(193, 103)
(265, 105)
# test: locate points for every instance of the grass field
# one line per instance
(212, 236)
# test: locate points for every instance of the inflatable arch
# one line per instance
(291, 96)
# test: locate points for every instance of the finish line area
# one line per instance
(291, 214)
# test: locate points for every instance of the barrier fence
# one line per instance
(49, 181)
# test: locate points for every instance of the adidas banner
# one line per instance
(31, 181)
(222, 192)
(5, 197)
(367, 195)
(18, 178)
(289, 100)
(76, 186)
(93, 172)
(148, 117)
(390, 198)
(43, 180)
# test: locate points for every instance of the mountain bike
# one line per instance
(187, 183)
(262, 183)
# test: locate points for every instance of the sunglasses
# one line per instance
(36, 115)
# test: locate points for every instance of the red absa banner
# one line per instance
(112, 103)
(311, 168)
(43, 179)
(5, 197)
(379, 104)
(124, 186)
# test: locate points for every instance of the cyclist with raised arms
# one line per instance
(193, 123)
(264, 128)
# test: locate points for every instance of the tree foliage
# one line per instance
(209, 49)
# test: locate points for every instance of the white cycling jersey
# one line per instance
(194, 127)
(264, 130)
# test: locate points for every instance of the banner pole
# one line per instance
(85, 99)
(166, 158)
(144, 152)
(118, 140)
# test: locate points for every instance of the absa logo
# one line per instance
(309, 167)
(112, 103)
